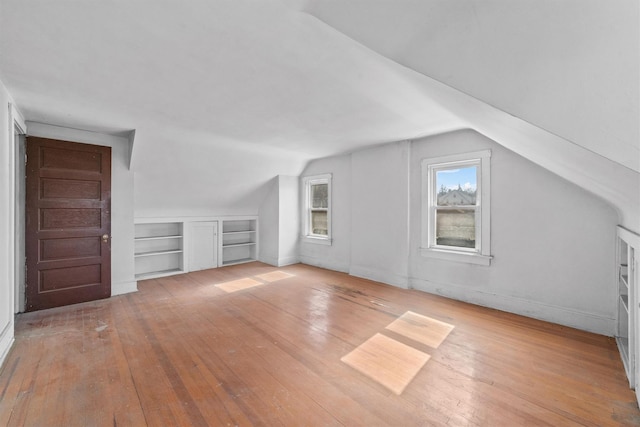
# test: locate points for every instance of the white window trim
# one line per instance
(481, 256)
(306, 236)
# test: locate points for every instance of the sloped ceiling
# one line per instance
(570, 67)
(224, 95)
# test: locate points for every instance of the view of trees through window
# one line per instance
(319, 209)
(456, 205)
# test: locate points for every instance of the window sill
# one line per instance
(316, 240)
(468, 257)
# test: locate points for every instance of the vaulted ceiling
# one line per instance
(227, 94)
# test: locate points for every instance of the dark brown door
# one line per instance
(68, 226)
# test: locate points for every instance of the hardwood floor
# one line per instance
(185, 352)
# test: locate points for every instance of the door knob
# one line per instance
(105, 238)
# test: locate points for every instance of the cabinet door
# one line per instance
(203, 247)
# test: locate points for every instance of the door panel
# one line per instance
(69, 189)
(68, 224)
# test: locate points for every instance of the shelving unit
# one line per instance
(627, 301)
(158, 249)
(239, 241)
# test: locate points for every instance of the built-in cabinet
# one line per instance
(172, 246)
(628, 327)
(203, 245)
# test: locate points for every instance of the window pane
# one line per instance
(457, 187)
(456, 228)
(320, 196)
(319, 223)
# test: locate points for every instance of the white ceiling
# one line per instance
(256, 88)
(243, 70)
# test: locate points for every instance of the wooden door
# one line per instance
(68, 224)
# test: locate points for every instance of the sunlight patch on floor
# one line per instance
(387, 361)
(274, 276)
(421, 328)
(251, 282)
(392, 363)
(238, 285)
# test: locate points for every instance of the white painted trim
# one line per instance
(322, 263)
(316, 240)
(18, 119)
(269, 260)
(457, 256)
(290, 260)
(10, 232)
(629, 236)
(6, 342)
(379, 275)
(132, 137)
(43, 130)
(123, 288)
(186, 219)
(279, 262)
(591, 322)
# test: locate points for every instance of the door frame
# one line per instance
(17, 173)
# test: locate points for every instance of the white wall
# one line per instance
(279, 218)
(204, 177)
(269, 224)
(553, 242)
(122, 186)
(337, 255)
(380, 213)
(7, 258)
(289, 221)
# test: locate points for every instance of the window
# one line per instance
(456, 206)
(317, 209)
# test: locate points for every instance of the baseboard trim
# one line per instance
(268, 260)
(290, 260)
(570, 317)
(7, 339)
(321, 262)
(378, 275)
(124, 288)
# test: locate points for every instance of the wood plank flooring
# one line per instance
(184, 352)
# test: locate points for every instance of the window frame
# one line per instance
(307, 234)
(481, 254)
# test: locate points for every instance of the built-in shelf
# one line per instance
(230, 245)
(623, 347)
(625, 280)
(154, 253)
(173, 246)
(158, 249)
(624, 299)
(239, 242)
(240, 232)
(141, 239)
(238, 261)
(156, 274)
(627, 333)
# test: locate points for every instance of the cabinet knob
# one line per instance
(105, 238)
